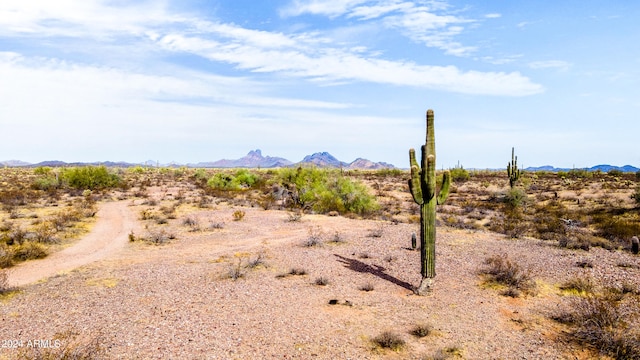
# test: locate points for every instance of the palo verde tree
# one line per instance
(423, 188)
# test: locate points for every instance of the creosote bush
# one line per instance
(238, 215)
(389, 340)
(607, 321)
(505, 272)
(421, 330)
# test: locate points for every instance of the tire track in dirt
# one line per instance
(109, 235)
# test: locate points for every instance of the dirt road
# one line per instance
(110, 234)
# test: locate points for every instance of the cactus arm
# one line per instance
(414, 182)
(444, 189)
(430, 178)
(414, 185)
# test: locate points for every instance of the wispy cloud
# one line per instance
(148, 28)
(550, 64)
(426, 22)
(332, 64)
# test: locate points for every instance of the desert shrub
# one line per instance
(241, 179)
(257, 261)
(578, 285)
(6, 256)
(314, 238)
(575, 240)
(515, 197)
(294, 216)
(29, 251)
(4, 281)
(512, 223)
(45, 233)
(15, 236)
(65, 218)
(389, 340)
(366, 287)
(297, 271)
(158, 236)
(192, 222)
(459, 174)
(216, 225)
(238, 215)
(636, 195)
(609, 323)
(323, 191)
(90, 177)
(421, 330)
(234, 272)
(503, 271)
(579, 174)
(614, 172)
(46, 183)
(321, 281)
(617, 227)
(337, 238)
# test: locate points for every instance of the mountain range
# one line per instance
(254, 159)
(603, 168)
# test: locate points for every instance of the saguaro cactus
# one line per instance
(423, 188)
(512, 169)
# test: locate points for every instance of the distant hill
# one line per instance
(254, 159)
(603, 168)
(12, 163)
(361, 163)
(57, 163)
(322, 159)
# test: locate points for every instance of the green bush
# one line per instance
(459, 174)
(515, 197)
(241, 179)
(579, 173)
(324, 190)
(46, 183)
(90, 177)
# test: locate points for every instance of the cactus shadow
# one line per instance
(377, 270)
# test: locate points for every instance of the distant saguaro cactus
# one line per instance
(512, 169)
(423, 188)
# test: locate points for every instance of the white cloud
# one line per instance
(493, 16)
(331, 64)
(550, 64)
(422, 21)
(88, 18)
(331, 8)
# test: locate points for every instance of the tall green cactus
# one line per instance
(512, 169)
(423, 188)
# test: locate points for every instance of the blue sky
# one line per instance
(202, 80)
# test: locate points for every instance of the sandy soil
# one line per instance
(176, 301)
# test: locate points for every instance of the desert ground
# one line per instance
(161, 269)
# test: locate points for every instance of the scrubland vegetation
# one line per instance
(46, 208)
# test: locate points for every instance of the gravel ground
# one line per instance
(176, 301)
